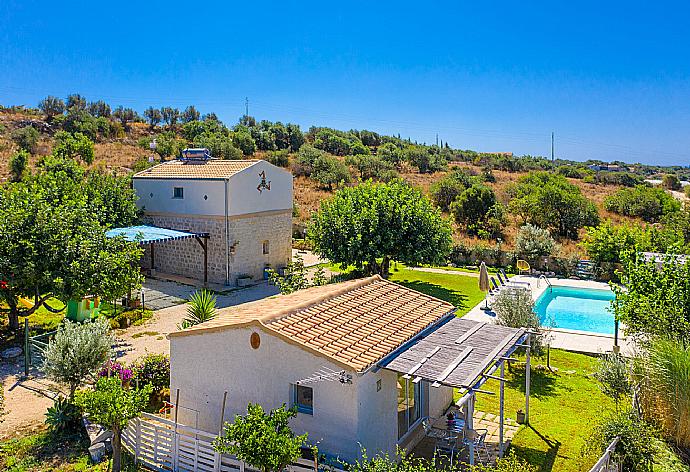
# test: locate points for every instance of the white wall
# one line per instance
(244, 197)
(378, 412)
(204, 366)
(193, 202)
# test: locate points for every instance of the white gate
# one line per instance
(160, 444)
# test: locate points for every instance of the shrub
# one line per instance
(635, 449)
(76, 352)
(63, 417)
(79, 121)
(655, 300)
(533, 242)
(294, 276)
(26, 138)
(550, 201)
(278, 158)
(126, 318)
(687, 191)
(424, 159)
(18, 164)
(446, 190)
(115, 369)
(644, 202)
(391, 153)
(306, 157)
(69, 146)
(472, 207)
(154, 370)
(670, 182)
(372, 167)
(625, 179)
(244, 141)
(571, 172)
(262, 440)
(201, 308)
(613, 376)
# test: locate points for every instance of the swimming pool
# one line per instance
(583, 309)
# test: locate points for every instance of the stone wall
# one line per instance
(247, 234)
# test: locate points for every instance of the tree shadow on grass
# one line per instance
(544, 459)
(457, 299)
(542, 382)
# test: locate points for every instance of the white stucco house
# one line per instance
(243, 207)
(352, 357)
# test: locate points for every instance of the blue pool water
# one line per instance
(577, 308)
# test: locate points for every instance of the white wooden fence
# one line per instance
(160, 444)
(606, 463)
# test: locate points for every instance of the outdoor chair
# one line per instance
(430, 431)
(477, 438)
(523, 266)
(507, 280)
(450, 446)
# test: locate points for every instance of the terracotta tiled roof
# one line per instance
(354, 323)
(211, 169)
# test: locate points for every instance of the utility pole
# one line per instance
(246, 106)
(552, 146)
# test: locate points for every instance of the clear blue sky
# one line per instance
(612, 79)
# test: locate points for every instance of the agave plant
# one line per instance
(201, 308)
(63, 417)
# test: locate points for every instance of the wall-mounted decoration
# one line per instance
(263, 183)
(255, 340)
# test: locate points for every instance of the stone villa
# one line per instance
(244, 206)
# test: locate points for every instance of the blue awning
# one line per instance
(151, 234)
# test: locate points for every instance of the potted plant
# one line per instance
(244, 280)
(520, 417)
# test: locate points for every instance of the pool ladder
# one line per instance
(545, 280)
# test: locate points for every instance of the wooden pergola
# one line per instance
(147, 235)
(464, 354)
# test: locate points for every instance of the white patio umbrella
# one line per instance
(484, 282)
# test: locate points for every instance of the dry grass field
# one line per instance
(119, 155)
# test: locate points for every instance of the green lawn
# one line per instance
(460, 290)
(563, 408)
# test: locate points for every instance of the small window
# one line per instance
(378, 385)
(304, 399)
(178, 192)
(265, 247)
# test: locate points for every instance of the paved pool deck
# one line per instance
(570, 340)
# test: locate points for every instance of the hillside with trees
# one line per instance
(487, 197)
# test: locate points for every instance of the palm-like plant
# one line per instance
(201, 308)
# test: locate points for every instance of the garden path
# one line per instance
(26, 401)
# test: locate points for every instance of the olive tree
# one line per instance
(26, 138)
(372, 224)
(52, 106)
(533, 242)
(77, 351)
